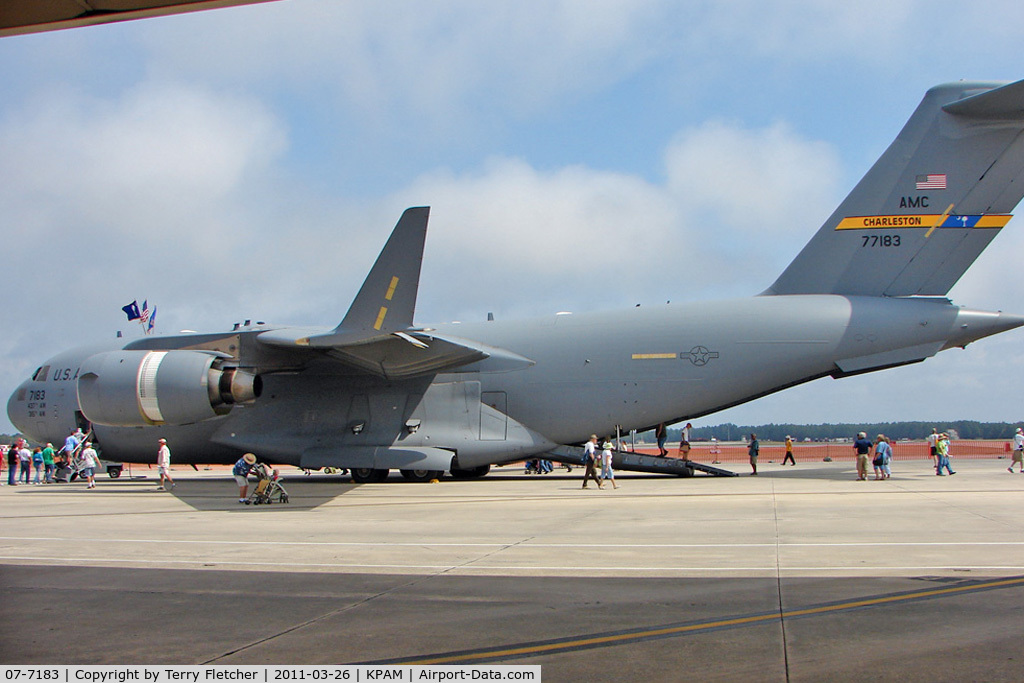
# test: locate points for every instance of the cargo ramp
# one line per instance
(637, 462)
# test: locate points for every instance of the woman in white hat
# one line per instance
(241, 474)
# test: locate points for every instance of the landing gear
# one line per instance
(471, 473)
(366, 475)
(422, 475)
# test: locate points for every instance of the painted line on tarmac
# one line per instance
(598, 640)
(212, 563)
(372, 544)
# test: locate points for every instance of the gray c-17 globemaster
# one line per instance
(379, 392)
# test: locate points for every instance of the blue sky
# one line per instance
(250, 162)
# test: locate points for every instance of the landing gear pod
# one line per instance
(136, 388)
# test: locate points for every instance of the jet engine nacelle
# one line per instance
(136, 388)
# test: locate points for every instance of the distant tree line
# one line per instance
(966, 429)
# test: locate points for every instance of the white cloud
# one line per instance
(583, 238)
(442, 61)
(145, 167)
(757, 186)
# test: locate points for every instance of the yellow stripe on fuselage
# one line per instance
(654, 356)
(380, 317)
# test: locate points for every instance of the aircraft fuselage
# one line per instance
(590, 373)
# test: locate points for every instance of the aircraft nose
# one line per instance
(17, 407)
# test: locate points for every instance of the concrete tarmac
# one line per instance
(799, 574)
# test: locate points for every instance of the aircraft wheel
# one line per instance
(422, 475)
(366, 475)
(471, 473)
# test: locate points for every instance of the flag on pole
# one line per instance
(144, 315)
(132, 310)
(152, 321)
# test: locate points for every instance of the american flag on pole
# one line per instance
(932, 181)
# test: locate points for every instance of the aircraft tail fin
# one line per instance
(387, 300)
(929, 206)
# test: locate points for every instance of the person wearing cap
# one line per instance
(789, 451)
(589, 459)
(89, 461)
(241, 473)
(163, 465)
(25, 463)
(862, 446)
(1018, 451)
(48, 463)
(942, 446)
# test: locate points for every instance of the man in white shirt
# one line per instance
(89, 462)
(589, 456)
(163, 465)
(1018, 451)
(933, 451)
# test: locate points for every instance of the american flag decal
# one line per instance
(932, 181)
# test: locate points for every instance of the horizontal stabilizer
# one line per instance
(1006, 102)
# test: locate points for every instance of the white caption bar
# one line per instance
(267, 674)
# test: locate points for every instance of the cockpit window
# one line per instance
(41, 374)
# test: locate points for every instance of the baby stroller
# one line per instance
(268, 486)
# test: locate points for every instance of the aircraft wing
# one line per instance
(31, 16)
(401, 355)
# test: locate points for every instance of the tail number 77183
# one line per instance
(880, 240)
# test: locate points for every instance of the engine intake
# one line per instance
(137, 388)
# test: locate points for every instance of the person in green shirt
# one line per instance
(48, 462)
(942, 446)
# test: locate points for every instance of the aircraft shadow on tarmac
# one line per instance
(210, 494)
(309, 492)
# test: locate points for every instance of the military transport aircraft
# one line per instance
(379, 392)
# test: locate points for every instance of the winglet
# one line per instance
(387, 300)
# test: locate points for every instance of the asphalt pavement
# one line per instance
(798, 574)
